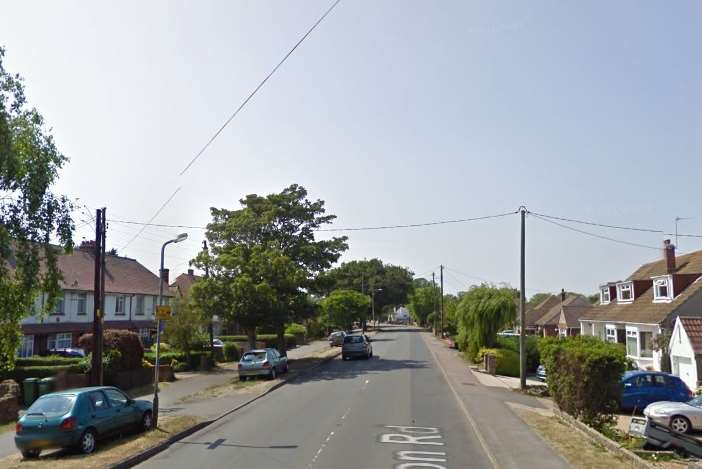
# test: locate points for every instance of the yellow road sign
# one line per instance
(163, 313)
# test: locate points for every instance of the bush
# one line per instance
(532, 349)
(583, 375)
(507, 360)
(294, 329)
(127, 343)
(50, 360)
(20, 373)
(270, 340)
(192, 363)
(232, 352)
(315, 329)
(165, 348)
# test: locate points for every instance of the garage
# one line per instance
(686, 350)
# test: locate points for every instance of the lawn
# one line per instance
(108, 452)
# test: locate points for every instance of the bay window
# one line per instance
(646, 339)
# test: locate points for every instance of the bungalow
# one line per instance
(635, 311)
(180, 288)
(131, 293)
(549, 323)
(686, 350)
(538, 312)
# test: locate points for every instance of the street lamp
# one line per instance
(373, 290)
(178, 239)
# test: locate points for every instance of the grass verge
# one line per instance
(108, 451)
(6, 427)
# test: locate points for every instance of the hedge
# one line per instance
(20, 373)
(532, 349)
(271, 340)
(131, 350)
(232, 352)
(50, 360)
(507, 360)
(167, 358)
(583, 375)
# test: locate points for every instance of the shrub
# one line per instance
(507, 360)
(583, 375)
(315, 329)
(294, 329)
(532, 349)
(165, 348)
(51, 360)
(20, 373)
(127, 343)
(270, 340)
(190, 363)
(232, 353)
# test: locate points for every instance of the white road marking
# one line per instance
(410, 440)
(420, 456)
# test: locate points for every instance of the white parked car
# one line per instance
(681, 417)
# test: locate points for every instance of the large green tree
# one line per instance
(343, 307)
(263, 259)
(422, 303)
(31, 216)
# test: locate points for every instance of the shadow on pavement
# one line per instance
(338, 369)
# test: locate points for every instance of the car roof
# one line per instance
(631, 373)
(74, 391)
(257, 350)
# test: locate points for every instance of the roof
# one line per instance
(553, 315)
(540, 310)
(122, 274)
(642, 310)
(693, 329)
(183, 282)
(572, 315)
(686, 264)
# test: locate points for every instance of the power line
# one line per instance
(648, 230)
(415, 225)
(151, 219)
(614, 240)
(260, 85)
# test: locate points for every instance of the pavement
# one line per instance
(415, 404)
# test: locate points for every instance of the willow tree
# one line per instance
(482, 312)
(31, 216)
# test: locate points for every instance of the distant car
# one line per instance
(508, 333)
(356, 345)
(336, 339)
(681, 417)
(642, 388)
(68, 352)
(541, 373)
(217, 343)
(77, 418)
(262, 362)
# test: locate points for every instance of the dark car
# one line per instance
(641, 388)
(356, 345)
(77, 418)
(72, 352)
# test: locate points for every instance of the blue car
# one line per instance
(641, 388)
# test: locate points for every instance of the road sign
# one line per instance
(163, 313)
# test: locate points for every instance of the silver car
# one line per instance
(262, 362)
(356, 345)
(336, 339)
(681, 417)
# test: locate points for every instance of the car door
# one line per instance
(101, 412)
(122, 414)
(274, 358)
(649, 392)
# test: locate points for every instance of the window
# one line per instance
(139, 309)
(26, 348)
(661, 290)
(81, 300)
(632, 343)
(59, 307)
(660, 380)
(58, 341)
(604, 295)
(626, 292)
(119, 305)
(97, 400)
(116, 398)
(646, 344)
(643, 381)
(611, 334)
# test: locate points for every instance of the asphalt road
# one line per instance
(393, 411)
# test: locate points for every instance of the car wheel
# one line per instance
(86, 445)
(680, 424)
(147, 421)
(31, 453)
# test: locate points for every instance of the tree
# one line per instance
(482, 312)
(537, 299)
(422, 302)
(343, 307)
(451, 313)
(31, 216)
(264, 258)
(185, 330)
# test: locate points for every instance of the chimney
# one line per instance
(191, 273)
(164, 276)
(563, 295)
(669, 256)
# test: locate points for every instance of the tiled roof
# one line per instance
(541, 309)
(642, 310)
(572, 315)
(552, 317)
(686, 264)
(693, 329)
(183, 282)
(122, 274)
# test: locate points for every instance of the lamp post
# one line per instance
(373, 290)
(178, 239)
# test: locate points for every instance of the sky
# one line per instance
(392, 112)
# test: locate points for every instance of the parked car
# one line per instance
(68, 352)
(262, 362)
(336, 339)
(508, 333)
(641, 388)
(78, 418)
(356, 345)
(541, 373)
(681, 417)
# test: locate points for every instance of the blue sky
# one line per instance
(392, 112)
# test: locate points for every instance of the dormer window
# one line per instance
(625, 292)
(661, 288)
(604, 295)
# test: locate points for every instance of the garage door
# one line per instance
(683, 367)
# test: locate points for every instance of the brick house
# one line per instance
(545, 319)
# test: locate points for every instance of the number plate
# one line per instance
(637, 427)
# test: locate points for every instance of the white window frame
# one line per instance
(632, 332)
(628, 286)
(26, 348)
(120, 300)
(662, 282)
(604, 291)
(81, 298)
(59, 340)
(650, 345)
(611, 333)
(60, 307)
(139, 308)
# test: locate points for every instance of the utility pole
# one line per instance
(522, 313)
(98, 298)
(433, 298)
(211, 314)
(441, 299)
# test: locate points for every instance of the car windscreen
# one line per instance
(254, 356)
(52, 405)
(353, 339)
(697, 402)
